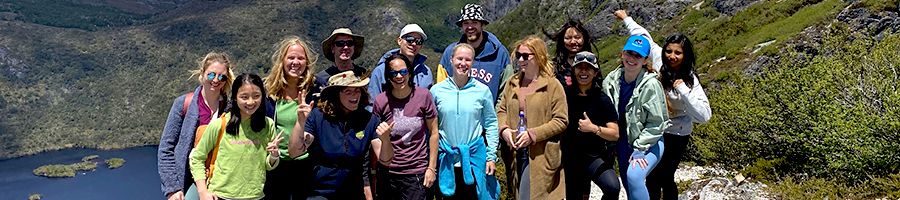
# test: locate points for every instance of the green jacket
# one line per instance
(242, 161)
(645, 111)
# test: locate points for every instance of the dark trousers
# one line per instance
(401, 186)
(582, 169)
(463, 191)
(663, 177)
(290, 180)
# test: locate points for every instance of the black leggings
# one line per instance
(663, 176)
(581, 170)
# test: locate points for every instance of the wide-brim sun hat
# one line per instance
(358, 42)
(344, 79)
(638, 44)
(472, 12)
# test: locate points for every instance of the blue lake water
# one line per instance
(137, 179)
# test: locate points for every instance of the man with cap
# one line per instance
(410, 40)
(491, 56)
(341, 47)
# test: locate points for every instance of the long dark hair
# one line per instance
(562, 54)
(387, 86)
(686, 71)
(258, 118)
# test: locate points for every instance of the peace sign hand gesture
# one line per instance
(303, 109)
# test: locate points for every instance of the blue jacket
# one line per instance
(473, 167)
(176, 143)
(423, 76)
(489, 64)
(466, 113)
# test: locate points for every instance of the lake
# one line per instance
(137, 179)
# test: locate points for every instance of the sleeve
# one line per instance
(430, 108)
(655, 116)
(367, 155)
(375, 81)
(310, 125)
(166, 152)
(607, 111)
(378, 107)
(442, 72)
(655, 51)
(560, 112)
(507, 73)
(502, 121)
(200, 153)
(698, 109)
(490, 125)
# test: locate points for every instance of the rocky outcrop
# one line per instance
(730, 7)
(708, 183)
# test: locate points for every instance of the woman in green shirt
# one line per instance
(244, 154)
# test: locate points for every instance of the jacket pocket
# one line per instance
(553, 155)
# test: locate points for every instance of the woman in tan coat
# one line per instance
(535, 93)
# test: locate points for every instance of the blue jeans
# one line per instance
(633, 175)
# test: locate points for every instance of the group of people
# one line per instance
(402, 132)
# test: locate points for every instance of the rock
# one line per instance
(730, 7)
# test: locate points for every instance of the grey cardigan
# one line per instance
(176, 143)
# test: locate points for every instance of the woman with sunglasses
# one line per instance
(188, 118)
(589, 141)
(687, 103)
(293, 65)
(570, 39)
(534, 93)
(467, 156)
(641, 104)
(412, 111)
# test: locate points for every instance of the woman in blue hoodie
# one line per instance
(466, 107)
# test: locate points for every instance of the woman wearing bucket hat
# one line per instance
(639, 99)
(341, 47)
(589, 141)
(338, 135)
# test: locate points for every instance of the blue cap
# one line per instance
(639, 44)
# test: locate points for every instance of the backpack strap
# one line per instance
(187, 102)
(215, 150)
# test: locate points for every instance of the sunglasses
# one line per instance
(526, 56)
(413, 40)
(343, 43)
(394, 73)
(588, 58)
(212, 75)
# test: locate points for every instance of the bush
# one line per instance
(113, 163)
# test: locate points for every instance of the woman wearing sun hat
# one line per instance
(338, 136)
(638, 96)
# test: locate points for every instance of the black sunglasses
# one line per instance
(343, 43)
(413, 40)
(527, 56)
(588, 58)
(394, 73)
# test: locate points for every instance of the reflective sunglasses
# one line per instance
(343, 43)
(588, 58)
(413, 40)
(394, 73)
(212, 75)
(526, 56)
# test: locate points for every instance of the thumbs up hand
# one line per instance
(585, 124)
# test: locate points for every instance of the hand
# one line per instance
(272, 148)
(585, 124)
(206, 195)
(490, 168)
(677, 83)
(384, 129)
(303, 109)
(637, 159)
(429, 178)
(507, 136)
(176, 195)
(621, 14)
(524, 140)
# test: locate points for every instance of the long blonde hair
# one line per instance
(209, 59)
(541, 56)
(275, 81)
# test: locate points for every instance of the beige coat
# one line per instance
(546, 114)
